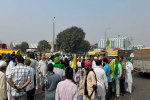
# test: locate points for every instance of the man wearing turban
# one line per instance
(90, 82)
(59, 68)
(11, 64)
(128, 76)
(3, 86)
(94, 62)
(42, 67)
(30, 87)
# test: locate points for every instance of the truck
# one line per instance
(141, 61)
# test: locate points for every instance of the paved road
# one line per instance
(141, 89)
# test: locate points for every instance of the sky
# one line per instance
(32, 20)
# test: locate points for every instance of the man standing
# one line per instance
(90, 82)
(128, 76)
(79, 67)
(3, 86)
(102, 84)
(80, 81)
(11, 65)
(67, 90)
(117, 75)
(18, 79)
(30, 88)
(42, 67)
(102, 58)
(94, 62)
(107, 70)
(59, 68)
(122, 81)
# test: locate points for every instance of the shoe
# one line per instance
(122, 94)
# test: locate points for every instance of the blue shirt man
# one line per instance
(107, 69)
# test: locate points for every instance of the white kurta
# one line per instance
(102, 83)
(93, 64)
(43, 67)
(128, 77)
(8, 71)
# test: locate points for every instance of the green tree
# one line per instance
(85, 46)
(24, 46)
(18, 47)
(70, 39)
(44, 46)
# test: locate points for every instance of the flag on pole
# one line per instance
(112, 66)
(86, 57)
(108, 43)
(74, 61)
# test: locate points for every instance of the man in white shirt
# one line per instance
(10, 66)
(94, 62)
(30, 88)
(59, 68)
(128, 76)
(102, 84)
(79, 66)
(42, 67)
(3, 86)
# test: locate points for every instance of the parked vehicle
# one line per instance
(141, 61)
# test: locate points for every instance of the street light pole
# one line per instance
(53, 34)
(105, 39)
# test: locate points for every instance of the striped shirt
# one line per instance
(19, 76)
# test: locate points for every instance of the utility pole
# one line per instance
(53, 33)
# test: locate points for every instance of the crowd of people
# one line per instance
(90, 79)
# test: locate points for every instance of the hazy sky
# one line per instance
(32, 20)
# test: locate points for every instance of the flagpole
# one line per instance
(105, 39)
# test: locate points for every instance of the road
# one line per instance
(141, 89)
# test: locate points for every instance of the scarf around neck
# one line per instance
(59, 66)
(116, 67)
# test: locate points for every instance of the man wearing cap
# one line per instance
(3, 86)
(128, 76)
(94, 62)
(11, 65)
(59, 68)
(30, 88)
(90, 82)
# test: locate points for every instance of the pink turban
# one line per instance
(88, 62)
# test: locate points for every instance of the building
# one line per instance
(3, 46)
(54, 47)
(32, 47)
(93, 47)
(133, 47)
(121, 42)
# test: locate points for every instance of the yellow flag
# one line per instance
(112, 66)
(108, 43)
(74, 61)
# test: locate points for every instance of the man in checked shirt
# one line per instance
(18, 79)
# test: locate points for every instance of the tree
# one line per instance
(70, 39)
(85, 46)
(18, 47)
(23, 46)
(43, 45)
